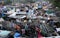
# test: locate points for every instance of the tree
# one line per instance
(56, 3)
(8, 2)
(31, 1)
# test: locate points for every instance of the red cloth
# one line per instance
(39, 35)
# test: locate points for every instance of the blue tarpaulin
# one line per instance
(17, 35)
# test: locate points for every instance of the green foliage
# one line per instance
(8, 2)
(31, 1)
(56, 3)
